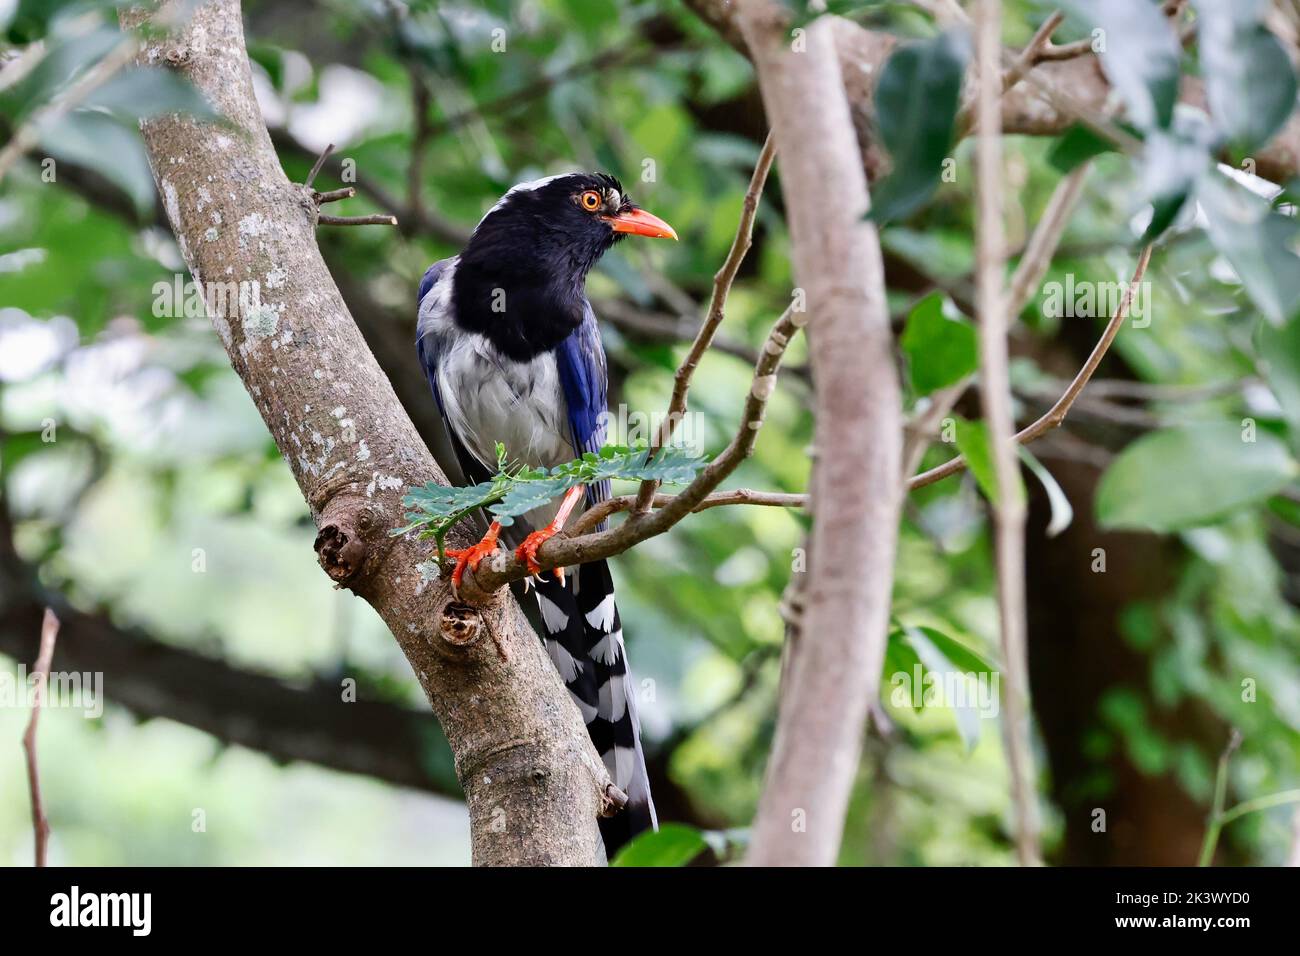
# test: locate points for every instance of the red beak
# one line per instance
(638, 222)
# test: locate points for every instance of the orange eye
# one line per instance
(590, 200)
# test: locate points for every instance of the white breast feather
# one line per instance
(489, 398)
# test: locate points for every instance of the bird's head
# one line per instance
(563, 222)
(535, 247)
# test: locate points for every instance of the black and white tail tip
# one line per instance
(584, 638)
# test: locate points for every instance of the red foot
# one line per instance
(471, 557)
(527, 552)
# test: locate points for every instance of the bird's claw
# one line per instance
(527, 552)
(470, 557)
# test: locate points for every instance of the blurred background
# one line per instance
(143, 498)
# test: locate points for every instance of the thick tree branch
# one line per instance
(833, 670)
(1045, 107)
(309, 722)
(533, 783)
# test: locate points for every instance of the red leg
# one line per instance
(471, 556)
(527, 552)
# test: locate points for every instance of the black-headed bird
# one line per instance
(509, 342)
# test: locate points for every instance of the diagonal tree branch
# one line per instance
(532, 780)
(1056, 414)
(722, 281)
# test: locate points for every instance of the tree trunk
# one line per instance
(532, 780)
(834, 666)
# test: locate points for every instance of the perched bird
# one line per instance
(509, 342)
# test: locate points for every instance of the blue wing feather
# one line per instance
(580, 362)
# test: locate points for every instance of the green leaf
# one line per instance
(1062, 512)
(941, 655)
(433, 509)
(961, 656)
(1141, 56)
(673, 844)
(1078, 145)
(1249, 82)
(85, 138)
(1172, 163)
(940, 351)
(1182, 477)
(1277, 350)
(1257, 242)
(916, 104)
(67, 57)
(146, 91)
(973, 442)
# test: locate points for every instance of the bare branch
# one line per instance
(334, 195)
(995, 389)
(1037, 257)
(717, 310)
(420, 101)
(316, 167)
(592, 517)
(376, 220)
(1033, 51)
(1056, 414)
(1030, 108)
(833, 667)
(40, 824)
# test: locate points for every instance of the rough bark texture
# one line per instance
(834, 668)
(532, 780)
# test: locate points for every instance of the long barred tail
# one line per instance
(585, 640)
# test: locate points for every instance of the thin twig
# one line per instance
(1046, 238)
(1256, 804)
(334, 195)
(1056, 414)
(593, 516)
(378, 219)
(40, 823)
(995, 393)
(717, 310)
(1049, 420)
(1034, 262)
(316, 167)
(1215, 824)
(1066, 51)
(1032, 53)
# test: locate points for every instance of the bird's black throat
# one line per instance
(521, 280)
